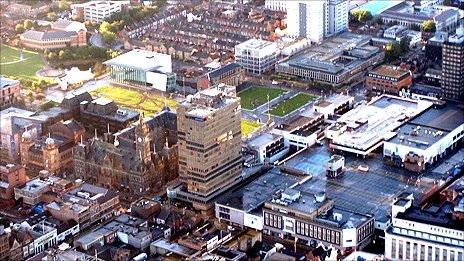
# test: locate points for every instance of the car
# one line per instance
(363, 168)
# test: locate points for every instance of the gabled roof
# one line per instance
(42, 36)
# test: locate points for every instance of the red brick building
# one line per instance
(11, 176)
(53, 40)
(388, 79)
(9, 91)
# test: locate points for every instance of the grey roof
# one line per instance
(42, 36)
(447, 14)
(4, 82)
(224, 69)
(62, 23)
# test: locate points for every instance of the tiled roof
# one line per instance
(43, 36)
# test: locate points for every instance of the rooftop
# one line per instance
(342, 218)
(222, 70)
(256, 192)
(369, 192)
(369, 124)
(389, 71)
(439, 215)
(45, 36)
(143, 60)
(256, 44)
(5, 82)
(264, 139)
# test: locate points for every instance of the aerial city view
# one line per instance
(231, 130)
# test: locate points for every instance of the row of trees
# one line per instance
(25, 25)
(80, 53)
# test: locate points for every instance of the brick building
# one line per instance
(388, 79)
(11, 176)
(9, 91)
(53, 40)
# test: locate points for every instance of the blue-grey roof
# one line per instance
(4, 82)
(42, 36)
(224, 69)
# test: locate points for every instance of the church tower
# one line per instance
(142, 140)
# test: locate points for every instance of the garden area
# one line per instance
(292, 104)
(249, 126)
(133, 99)
(254, 97)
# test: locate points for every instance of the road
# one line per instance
(56, 94)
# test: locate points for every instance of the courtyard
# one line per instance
(256, 96)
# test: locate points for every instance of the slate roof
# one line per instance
(44, 36)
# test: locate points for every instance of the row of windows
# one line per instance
(320, 233)
(272, 220)
(407, 250)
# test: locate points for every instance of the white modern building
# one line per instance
(338, 16)
(256, 56)
(276, 5)
(426, 138)
(97, 11)
(316, 19)
(307, 19)
(267, 146)
(143, 68)
(423, 233)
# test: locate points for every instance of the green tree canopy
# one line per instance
(361, 15)
(51, 16)
(28, 24)
(19, 28)
(428, 26)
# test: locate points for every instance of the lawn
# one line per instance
(249, 127)
(23, 70)
(292, 104)
(132, 99)
(254, 97)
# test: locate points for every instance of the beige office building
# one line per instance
(209, 145)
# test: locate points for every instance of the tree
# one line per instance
(19, 28)
(51, 16)
(428, 26)
(51, 56)
(88, 24)
(28, 24)
(361, 15)
(63, 5)
(392, 51)
(62, 55)
(108, 37)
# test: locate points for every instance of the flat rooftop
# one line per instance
(264, 139)
(259, 190)
(369, 192)
(445, 118)
(439, 215)
(369, 124)
(255, 44)
(389, 71)
(342, 218)
(143, 60)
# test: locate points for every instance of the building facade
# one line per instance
(256, 56)
(97, 11)
(136, 161)
(143, 68)
(11, 176)
(53, 40)
(313, 218)
(453, 66)
(9, 92)
(388, 79)
(86, 205)
(307, 19)
(231, 74)
(209, 145)
(427, 233)
(276, 5)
